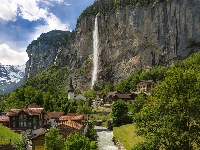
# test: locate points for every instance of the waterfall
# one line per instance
(95, 51)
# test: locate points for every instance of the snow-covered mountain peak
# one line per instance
(11, 77)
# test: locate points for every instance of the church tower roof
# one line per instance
(70, 87)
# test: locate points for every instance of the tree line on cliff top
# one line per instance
(106, 6)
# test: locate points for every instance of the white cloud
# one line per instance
(30, 10)
(11, 57)
(60, 2)
(52, 23)
(8, 10)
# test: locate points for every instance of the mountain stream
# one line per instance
(105, 137)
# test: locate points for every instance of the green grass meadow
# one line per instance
(126, 134)
(6, 134)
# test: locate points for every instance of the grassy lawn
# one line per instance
(126, 134)
(6, 134)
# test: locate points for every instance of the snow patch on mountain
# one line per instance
(11, 77)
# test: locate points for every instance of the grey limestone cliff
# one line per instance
(131, 39)
(134, 39)
(44, 51)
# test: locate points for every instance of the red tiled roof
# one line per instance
(74, 114)
(72, 124)
(55, 115)
(67, 117)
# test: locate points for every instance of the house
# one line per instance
(79, 118)
(31, 119)
(113, 96)
(145, 86)
(54, 117)
(68, 127)
(4, 120)
(38, 141)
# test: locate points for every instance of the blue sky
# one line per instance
(22, 21)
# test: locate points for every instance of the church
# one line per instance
(71, 94)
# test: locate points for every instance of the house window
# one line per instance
(21, 124)
(21, 117)
(25, 124)
(40, 123)
(13, 124)
(29, 124)
(34, 120)
(14, 118)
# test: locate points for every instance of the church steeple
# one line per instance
(70, 90)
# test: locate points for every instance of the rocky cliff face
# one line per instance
(134, 39)
(44, 51)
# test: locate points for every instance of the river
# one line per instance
(105, 137)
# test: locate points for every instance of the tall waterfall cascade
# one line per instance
(95, 51)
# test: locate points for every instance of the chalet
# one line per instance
(145, 86)
(54, 117)
(4, 120)
(113, 96)
(79, 118)
(68, 127)
(32, 118)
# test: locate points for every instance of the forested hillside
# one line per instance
(49, 88)
(126, 53)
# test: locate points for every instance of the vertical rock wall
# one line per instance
(134, 39)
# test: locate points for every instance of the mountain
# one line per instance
(11, 77)
(132, 36)
(44, 51)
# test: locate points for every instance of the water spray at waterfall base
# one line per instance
(95, 52)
